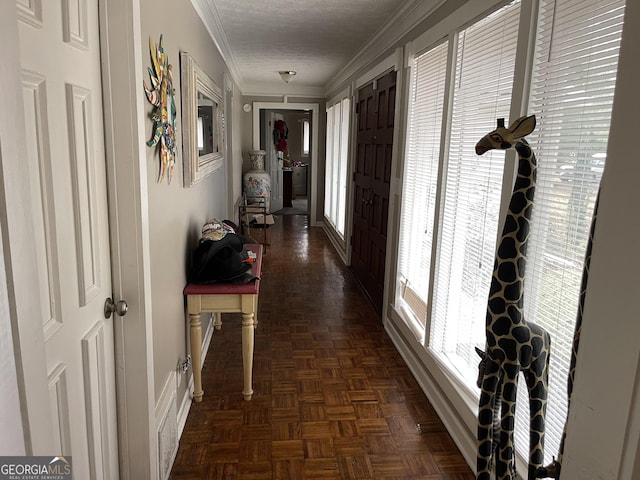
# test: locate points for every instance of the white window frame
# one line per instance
(337, 161)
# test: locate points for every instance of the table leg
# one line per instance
(196, 355)
(217, 323)
(248, 329)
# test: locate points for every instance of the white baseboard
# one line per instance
(183, 411)
(166, 427)
(337, 246)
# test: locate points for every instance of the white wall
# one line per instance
(176, 213)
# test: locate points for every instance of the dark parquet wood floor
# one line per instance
(333, 398)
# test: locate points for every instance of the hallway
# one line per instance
(333, 398)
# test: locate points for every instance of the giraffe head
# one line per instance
(505, 138)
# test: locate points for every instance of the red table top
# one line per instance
(251, 288)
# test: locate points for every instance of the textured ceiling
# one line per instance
(314, 38)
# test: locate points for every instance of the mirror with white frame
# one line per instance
(202, 122)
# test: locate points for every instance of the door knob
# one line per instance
(111, 307)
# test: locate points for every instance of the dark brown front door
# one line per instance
(375, 113)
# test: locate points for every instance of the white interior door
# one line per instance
(274, 164)
(62, 94)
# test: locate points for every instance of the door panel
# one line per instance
(41, 187)
(62, 98)
(372, 176)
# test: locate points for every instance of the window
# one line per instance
(472, 190)
(420, 184)
(451, 198)
(338, 115)
(305, 138)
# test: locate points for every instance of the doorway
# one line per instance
(263, 113)
(285, 136)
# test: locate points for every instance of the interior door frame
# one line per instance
(315, 115)
(395, 61)
(120, 35)
(128, 208)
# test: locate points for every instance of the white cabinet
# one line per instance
(300, 180)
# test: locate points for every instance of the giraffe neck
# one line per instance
(508, 274)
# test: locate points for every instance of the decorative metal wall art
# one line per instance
(162, 96)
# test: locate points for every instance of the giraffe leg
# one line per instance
(486, 414)
(537, 377)
(537, 385)
(497, 417)
(505, 464)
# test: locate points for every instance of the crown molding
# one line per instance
(207, 12)
(288, 89)
(407, 18)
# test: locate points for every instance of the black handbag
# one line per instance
(216, 261)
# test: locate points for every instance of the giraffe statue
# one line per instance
(512, 343)
(553, 470)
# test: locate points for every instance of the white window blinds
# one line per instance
(420, 183)
(329, 167)
(473, 187)
(338, 116)
(572, 89)
(341, 197)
